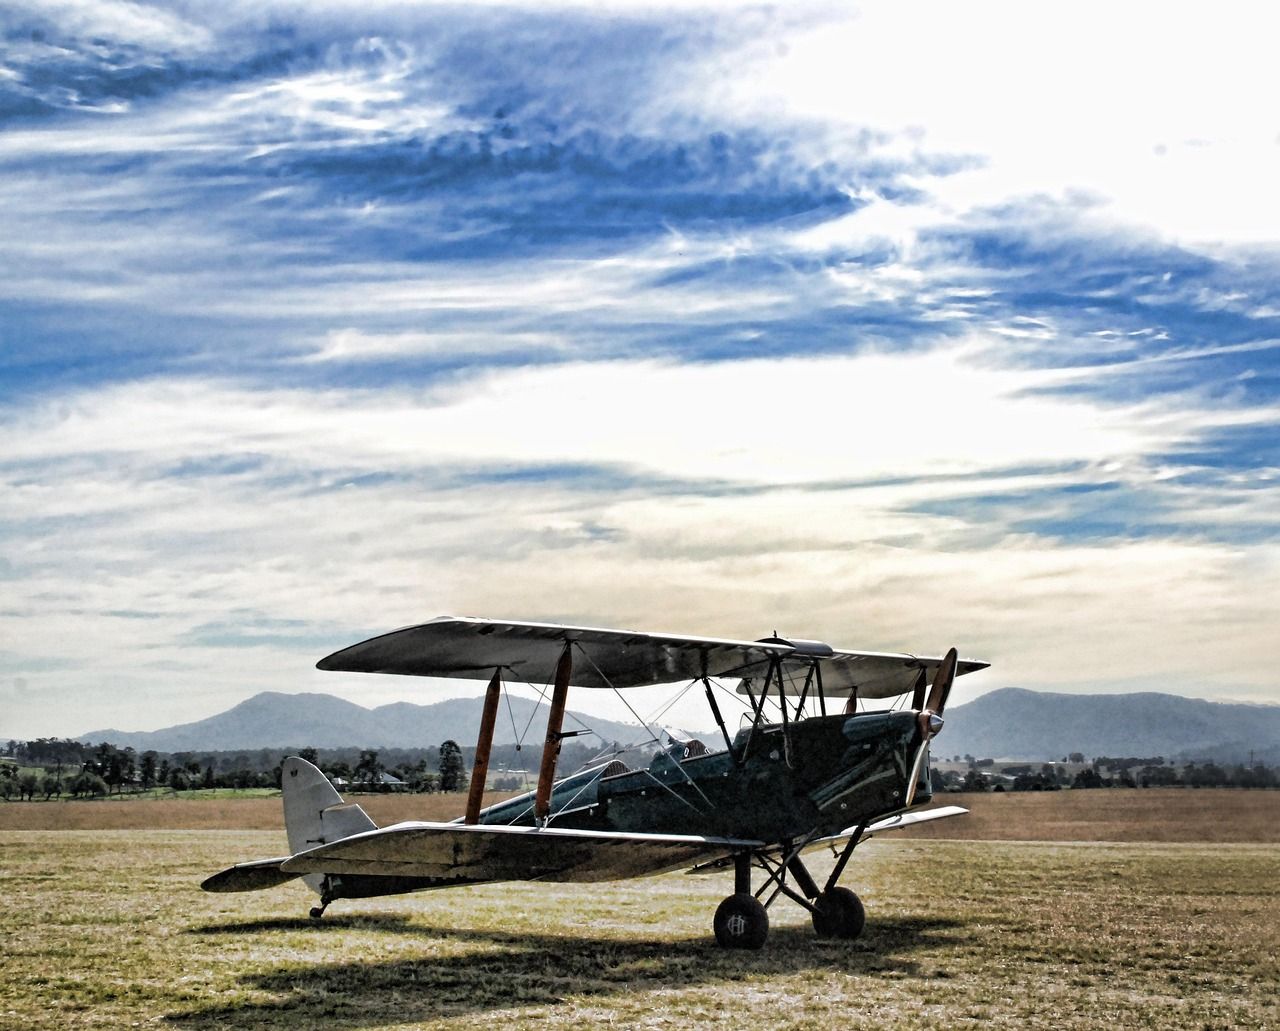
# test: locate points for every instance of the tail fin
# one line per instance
(314, 812)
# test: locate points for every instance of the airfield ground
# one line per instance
(106, 928)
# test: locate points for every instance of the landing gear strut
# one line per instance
(741, 920)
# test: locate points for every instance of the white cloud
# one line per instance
(108, 526)
(1151, 108)
(947, 411)
(121, 22)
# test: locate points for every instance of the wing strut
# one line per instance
(480, 768)
(715, 711)
(551, 747)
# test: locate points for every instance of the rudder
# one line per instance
(314, 812)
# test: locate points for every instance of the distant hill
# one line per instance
(275, 720)
(1017, 723)
(1011, 722)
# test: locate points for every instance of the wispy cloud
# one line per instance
(317, 320)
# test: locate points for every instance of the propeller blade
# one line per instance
(942, 681)
(917, 694)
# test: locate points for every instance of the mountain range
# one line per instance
(275, 720)
(1011, 722)
(1017, 723)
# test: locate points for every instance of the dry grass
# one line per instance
(1174, 814)
(1114, 814)
(108, 929)
(263, 813)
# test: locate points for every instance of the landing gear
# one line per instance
(741, 922)
(326, 896)
(838, 913)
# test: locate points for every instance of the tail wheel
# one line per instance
(838, 913)
(741, 922)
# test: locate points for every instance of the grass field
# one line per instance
(108, 929)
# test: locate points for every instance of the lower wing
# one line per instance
(485, 852)
(893, 823)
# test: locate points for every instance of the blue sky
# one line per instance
(897, 325)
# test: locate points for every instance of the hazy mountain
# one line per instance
(1007, 723)
(1017, 723)
(275, 720)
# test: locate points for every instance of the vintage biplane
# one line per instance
(807, 767)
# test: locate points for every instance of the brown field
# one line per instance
(1168, 814)
(107, 928)
(210, 813)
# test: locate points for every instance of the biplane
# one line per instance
(807, 767)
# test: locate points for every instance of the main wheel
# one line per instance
(838, 914)
(741, 922)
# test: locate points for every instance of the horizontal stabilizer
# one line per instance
(254, 876)
(483, 852)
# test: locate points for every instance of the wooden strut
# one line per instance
(551, 747)
(484, 743)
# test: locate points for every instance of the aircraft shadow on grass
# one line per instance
(506, 970)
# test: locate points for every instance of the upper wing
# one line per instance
(483, 852)
(878, 674)
(473, 648)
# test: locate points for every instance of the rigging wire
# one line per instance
(657, 741)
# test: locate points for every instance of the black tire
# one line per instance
(838, 913)
(741, 922)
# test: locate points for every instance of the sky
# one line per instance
(896, 325)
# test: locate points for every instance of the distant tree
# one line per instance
(309, 754)
(147, 769)
(50, 785)
(28, 784)
(162, 777)
(1076, 757)
(368, 769)
(86, 782)
(452, 769)
(1087, 778)
(208, 780)
(417, 776)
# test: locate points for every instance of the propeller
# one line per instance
(931, 714)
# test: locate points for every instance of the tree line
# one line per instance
(1107, 773)
(54, 767)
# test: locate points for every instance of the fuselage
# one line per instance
(778, 782)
